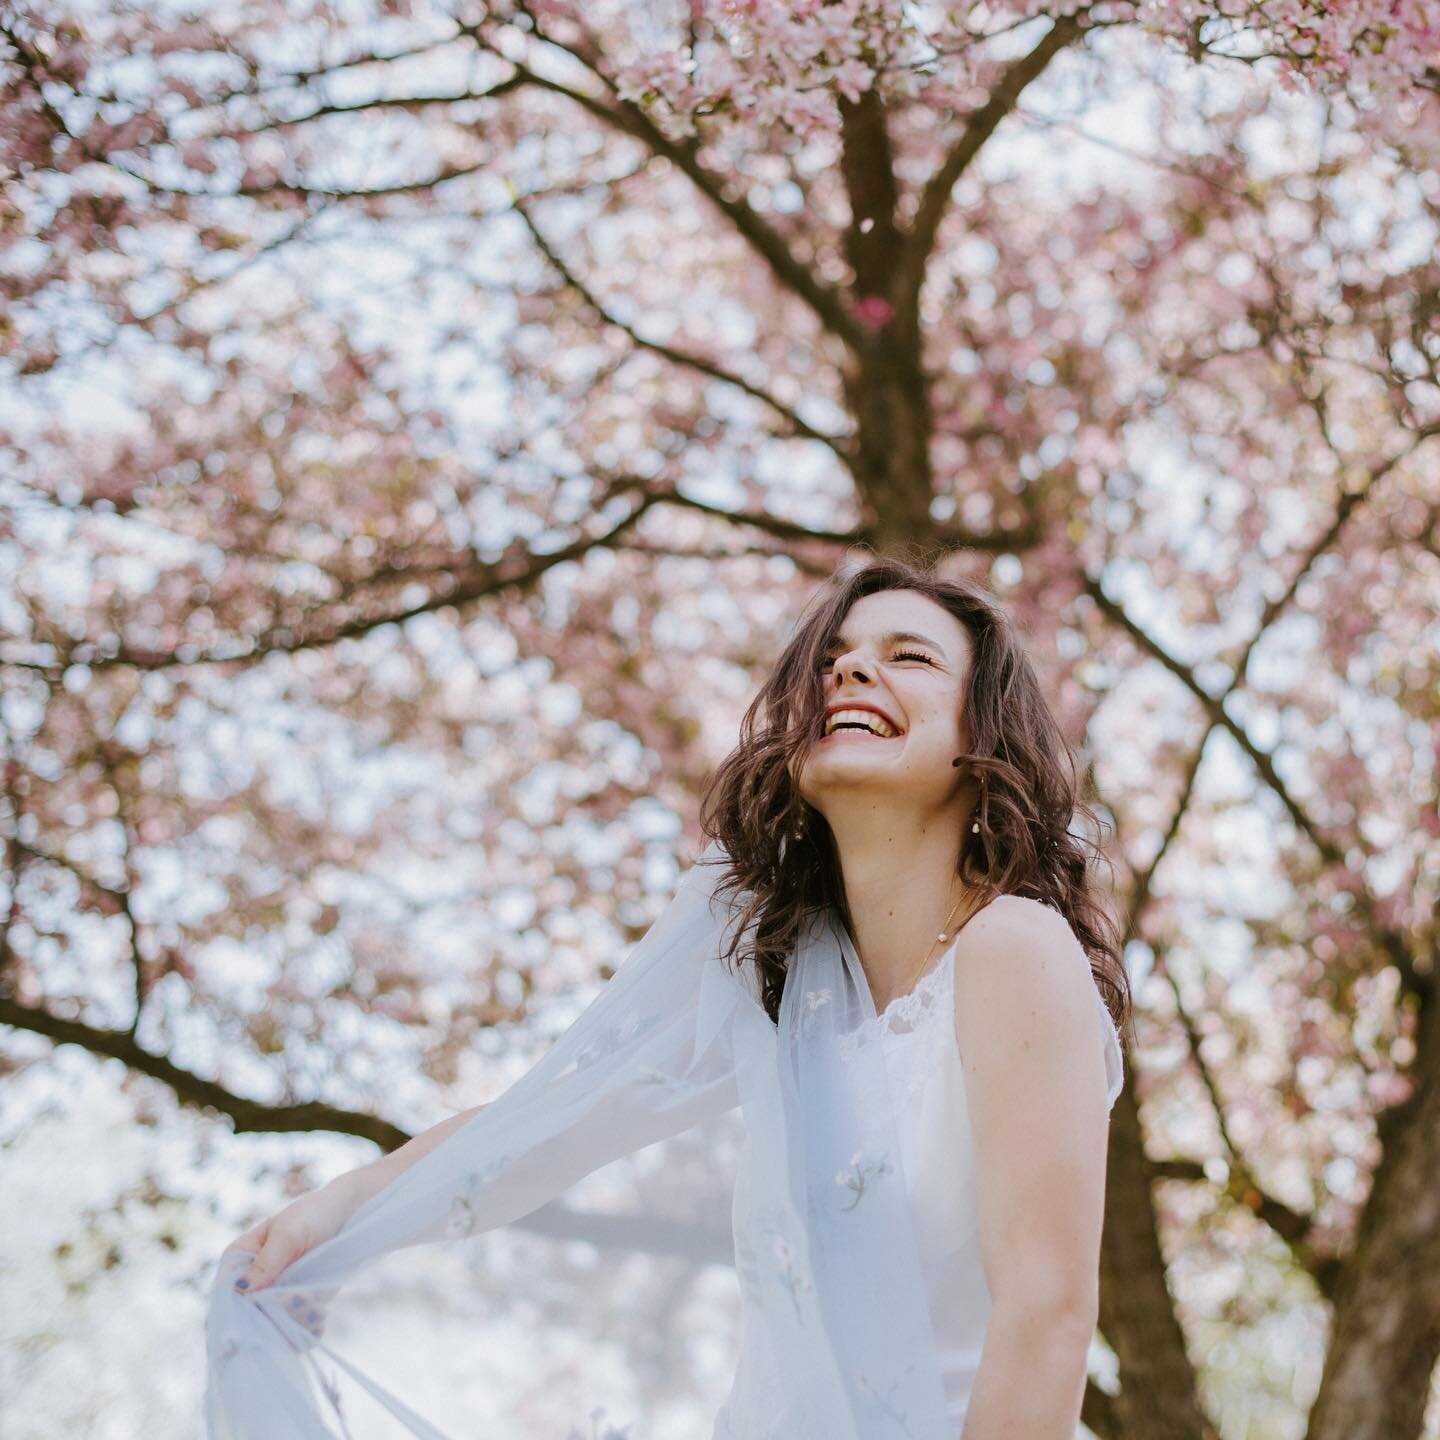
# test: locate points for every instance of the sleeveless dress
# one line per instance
(928, 1090)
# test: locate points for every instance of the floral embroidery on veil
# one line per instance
(857, 1174)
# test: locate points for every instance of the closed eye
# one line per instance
(898, 655)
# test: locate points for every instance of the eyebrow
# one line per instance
(895, 637)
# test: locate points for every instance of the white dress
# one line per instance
(938, 1160)
(928, 1088)
(836, 1295)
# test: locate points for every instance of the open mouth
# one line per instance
(864, 724)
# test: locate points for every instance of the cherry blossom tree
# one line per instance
(422, 420)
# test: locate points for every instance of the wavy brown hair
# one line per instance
(1023, 769)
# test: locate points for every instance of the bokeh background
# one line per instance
(421, 422)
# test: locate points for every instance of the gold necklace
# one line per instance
(929, 949)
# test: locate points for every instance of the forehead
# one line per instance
(886, 611)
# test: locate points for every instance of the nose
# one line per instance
(849, 666)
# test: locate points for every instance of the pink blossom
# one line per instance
(874, 311)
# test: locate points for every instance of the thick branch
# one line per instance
(1097, 1412)
(629, 119)
(1157, 1395)
(1385, 1319)
(191, 1089)
(1291, 1225)
(979, 127)
(555, 1220)
(867, 162)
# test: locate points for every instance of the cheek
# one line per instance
(940, 728)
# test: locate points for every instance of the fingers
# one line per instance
(250, 1241)
(256, 1242)
(307, 1310)
(280, 1247)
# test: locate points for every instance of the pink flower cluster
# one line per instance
(768, 61)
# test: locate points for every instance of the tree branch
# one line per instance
(191, 1089)
(719, 553)
(1329, 850)
(519, 572)
(675, 356)
(770, 524)
(407, 103)
(979, 127)
(1098, 1412)
(1295, 1228)
(867, 163)
(629, 119)
(1241, 1185)
(555, 1219)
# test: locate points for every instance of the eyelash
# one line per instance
(899, 655)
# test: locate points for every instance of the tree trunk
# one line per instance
(1157, 1399)
(1385, 1330)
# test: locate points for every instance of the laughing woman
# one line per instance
(892, 957)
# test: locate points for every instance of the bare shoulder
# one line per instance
(1018, 931)
(1020, 971)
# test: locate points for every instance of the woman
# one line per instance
(912, 994)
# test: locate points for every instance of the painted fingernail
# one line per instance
(242, 1284)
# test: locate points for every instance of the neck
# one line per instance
(900, 887)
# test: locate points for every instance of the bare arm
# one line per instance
(1033, 1051)
(282, 1238)
(373, 1177)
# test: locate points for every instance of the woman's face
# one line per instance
(901, 654)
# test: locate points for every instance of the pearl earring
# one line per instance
(975, 825)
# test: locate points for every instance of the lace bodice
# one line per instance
(935, 1157)
(916, 1029)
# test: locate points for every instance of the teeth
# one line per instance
(868, 718)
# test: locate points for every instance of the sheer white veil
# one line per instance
(826, 1255)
